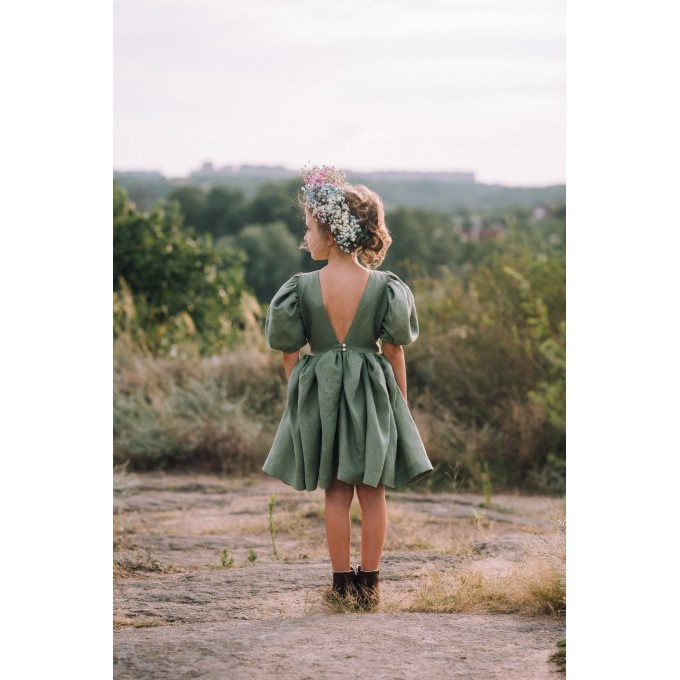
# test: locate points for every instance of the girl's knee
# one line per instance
(339, 489)
(366, 492)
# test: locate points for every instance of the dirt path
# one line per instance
(179, 613)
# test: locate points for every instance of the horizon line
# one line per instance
(237, 167)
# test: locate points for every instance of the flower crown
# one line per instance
(325, 199)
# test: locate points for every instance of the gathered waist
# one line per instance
(344, 346)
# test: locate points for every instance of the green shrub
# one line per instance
(488, 371)
(170, 284)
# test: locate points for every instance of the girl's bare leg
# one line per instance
(338, 526)
(373, 524)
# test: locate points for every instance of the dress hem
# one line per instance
(412, 475)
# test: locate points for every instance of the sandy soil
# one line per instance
(179, 613)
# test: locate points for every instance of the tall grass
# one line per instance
(534, 585)
(217, 413)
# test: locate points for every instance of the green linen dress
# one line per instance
(345, 414)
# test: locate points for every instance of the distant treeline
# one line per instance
(145, 189)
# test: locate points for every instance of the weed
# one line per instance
(455, 484)
(252, 556)
(560, 656)
(486, 485)
(226, 560)
(272, 530)
(455, 488)
(479, 519)
(138, 561)
(123, 481)
(121, 532)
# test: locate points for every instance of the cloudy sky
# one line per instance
(461, 85)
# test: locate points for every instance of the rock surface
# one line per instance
(179, 613)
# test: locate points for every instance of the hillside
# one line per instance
(444, 192)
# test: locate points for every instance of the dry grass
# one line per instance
(534, 585)
(136, 621)
(215, 414)
(315, 512)
(293, 523)
(538, 590)
(138, 561)
(466, 537)
(345, 604)
(122, 480)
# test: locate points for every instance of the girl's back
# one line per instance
(342, 290)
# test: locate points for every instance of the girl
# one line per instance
(346, 423)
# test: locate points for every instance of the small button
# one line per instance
(343, 349)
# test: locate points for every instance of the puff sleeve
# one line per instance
(400, 323)
(283, 326)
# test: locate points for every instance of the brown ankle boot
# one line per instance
(368, 591)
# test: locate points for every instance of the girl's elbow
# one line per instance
(392, 351)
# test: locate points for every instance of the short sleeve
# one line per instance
(400, 323)
(283, 326)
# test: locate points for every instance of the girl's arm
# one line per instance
(289, 360)
(395, 355)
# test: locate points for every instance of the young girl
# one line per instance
(346, 423)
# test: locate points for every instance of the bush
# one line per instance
(488, 372)
(171, 284)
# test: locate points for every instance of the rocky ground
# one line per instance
(184, 607)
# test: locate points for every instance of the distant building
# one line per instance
(208, 171)
(271, 171)
(478, 231)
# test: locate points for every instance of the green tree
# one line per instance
(422, 241)
(192, 201)
(223, 213)
(275, 202)
(272, 257)
(177, 278)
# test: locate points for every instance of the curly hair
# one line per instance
(367, 207)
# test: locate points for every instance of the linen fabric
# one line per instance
(345, 414)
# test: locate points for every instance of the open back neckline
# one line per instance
(356, 311)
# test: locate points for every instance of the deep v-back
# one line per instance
(356, 310)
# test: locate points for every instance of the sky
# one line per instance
(465, 85)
